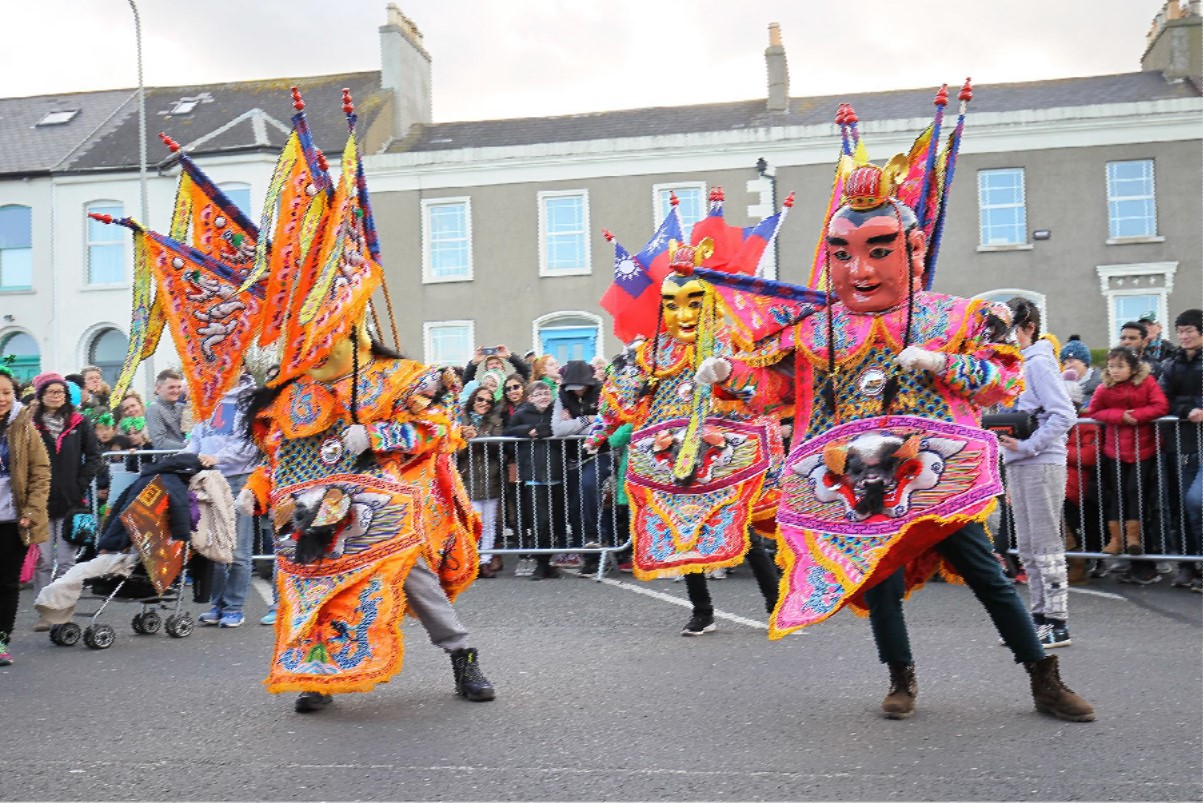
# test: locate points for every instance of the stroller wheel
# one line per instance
(65, 635)
(99, 637)
(136, 624)
(151, 622)
(180, 625)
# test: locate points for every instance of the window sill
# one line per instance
(94, 288)
(449, 280)
(551, 274)
(1134, 240)
(985, 249)
(17, 291)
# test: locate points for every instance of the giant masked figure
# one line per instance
(702, 468)
(891, 476)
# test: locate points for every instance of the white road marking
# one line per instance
(265, 590)
(684, 603)
(1094, 593)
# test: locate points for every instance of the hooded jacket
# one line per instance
(1140, 394)
(29, 474)
(176, 470)
(74, 461)
(1044, 395)
(223, 436)
(574, 412)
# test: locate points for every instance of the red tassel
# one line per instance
(850, 117)
(789, 201)
(171, 144)
(348, 105)
(297, 103)
(966, 92)
(942, 96)
(609, 235)
(672, 198)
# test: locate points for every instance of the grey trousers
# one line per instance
(430, 604)
(55, 557)
(1037, 495)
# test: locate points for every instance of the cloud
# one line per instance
(544, 57)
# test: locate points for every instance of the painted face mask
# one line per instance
(868, 262)
(682, 309)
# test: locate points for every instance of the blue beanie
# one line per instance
(1075, 349)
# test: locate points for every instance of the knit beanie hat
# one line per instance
(42, 380)
(1075, 349)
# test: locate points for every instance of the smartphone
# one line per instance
(488, 351)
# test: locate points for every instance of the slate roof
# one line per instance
(233, 117)
(896, 104)
(28, 149)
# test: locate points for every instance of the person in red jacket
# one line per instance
(1127, 403)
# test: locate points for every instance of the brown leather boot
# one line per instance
(1052, 696)
(496, 564)
(1132, 543)
(900, 702)
(1079, 572)
(1115, 544)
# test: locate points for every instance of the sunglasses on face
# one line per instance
(513, 387)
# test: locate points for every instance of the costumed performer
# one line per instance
(701, 468)
(370, 519)
(891, 475)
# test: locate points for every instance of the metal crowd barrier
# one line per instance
(1159, 501)
(546, 496)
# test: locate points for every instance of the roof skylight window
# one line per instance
(184, 106)
(59, 117)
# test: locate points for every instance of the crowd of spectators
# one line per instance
(1113, 464)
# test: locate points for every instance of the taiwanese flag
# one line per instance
(633, 300)
(736, 250)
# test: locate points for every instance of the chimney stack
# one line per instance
(774, 57)
(1175, 42)
(405, 69)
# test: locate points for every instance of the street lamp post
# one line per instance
(145, 205)
(141, 115)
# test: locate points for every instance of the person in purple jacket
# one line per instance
(1036, 474)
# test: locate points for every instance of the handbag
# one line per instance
(29, 564)
(1019, 426)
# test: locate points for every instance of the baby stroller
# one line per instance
(146, 566)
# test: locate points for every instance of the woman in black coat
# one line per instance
(482, 466)
(74, 460)
(542, 506)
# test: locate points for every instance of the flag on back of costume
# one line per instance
(633, 300)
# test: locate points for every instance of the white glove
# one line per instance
(712, 369)
(922, 359)
(245, 503)
(356, 440)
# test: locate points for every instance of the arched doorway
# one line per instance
(107, 352)
(568, 335)
(20, 352)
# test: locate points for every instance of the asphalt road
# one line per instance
(599, 698)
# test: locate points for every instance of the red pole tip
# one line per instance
(942, 96)
(171, 144)
(841, 114)
(673, 199)
(966, 91)
(850, 117)
(609, 235)
(348, 104)
(297, 103)
(718, 191)
(101, 217)
(789, 201)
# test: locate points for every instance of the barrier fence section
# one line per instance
(540, 496)
(1107, 483)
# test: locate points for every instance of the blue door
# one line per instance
(569, 342)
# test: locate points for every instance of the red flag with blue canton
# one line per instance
(633, 300)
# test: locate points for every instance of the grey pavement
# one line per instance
(599, 698)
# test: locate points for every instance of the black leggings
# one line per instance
(1127, 488)
(763, 569)
(12, 555)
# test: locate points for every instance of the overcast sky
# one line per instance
(499, 58)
